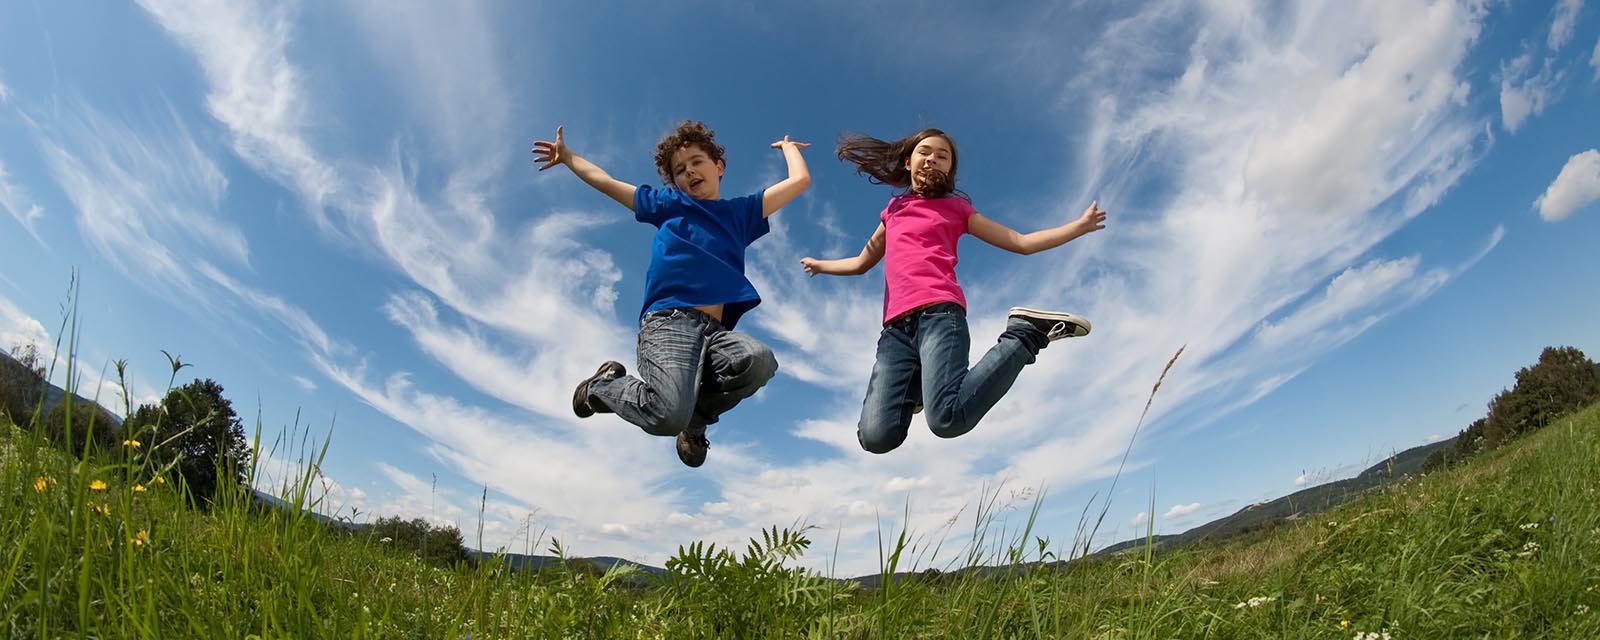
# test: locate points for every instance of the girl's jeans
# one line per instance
(690, 371)
(922, 359)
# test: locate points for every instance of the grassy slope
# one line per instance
(1505, 546)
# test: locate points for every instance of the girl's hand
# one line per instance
(798, 145)
(551, 153)
(1093, 218)
(811, 265)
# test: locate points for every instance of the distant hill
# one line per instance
(1300, 503)
(11, 369)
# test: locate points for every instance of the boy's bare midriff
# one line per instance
(714, 311)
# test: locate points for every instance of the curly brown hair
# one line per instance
(689, 133)
(884, 162)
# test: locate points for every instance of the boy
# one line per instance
(692, 366)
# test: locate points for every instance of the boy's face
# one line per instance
(694, 173)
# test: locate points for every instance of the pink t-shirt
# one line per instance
(919, 253)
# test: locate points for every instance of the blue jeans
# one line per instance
(922, 359)
(691, 370)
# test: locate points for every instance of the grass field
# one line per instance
(1506, 545)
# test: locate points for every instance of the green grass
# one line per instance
(1506, 545)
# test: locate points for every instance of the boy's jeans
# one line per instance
(932, 345)
(690, 371)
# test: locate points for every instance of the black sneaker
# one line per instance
(581, 404)
(1054, 324)
(692, 445)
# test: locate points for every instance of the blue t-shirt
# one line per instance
(697, 255)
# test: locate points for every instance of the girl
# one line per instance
(924, 312)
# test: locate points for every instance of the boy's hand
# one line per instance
(551, 153)
(810, 265)
(1093, 218)
(786, 141)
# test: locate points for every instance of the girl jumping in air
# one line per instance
(922, 352)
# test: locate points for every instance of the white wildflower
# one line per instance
(1255, 602)
(1529, 526)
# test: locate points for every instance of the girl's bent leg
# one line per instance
(886, 411)
(962, 397)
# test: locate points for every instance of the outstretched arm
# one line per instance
(799, 178)
(999, 235)
(870, 255)
(554, 153)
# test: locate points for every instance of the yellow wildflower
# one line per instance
(102, 509)
(43, 483)
(160, 480)
(140, 538)
(138, 488)
(131, 443)
(97, 485)
(1344, 624)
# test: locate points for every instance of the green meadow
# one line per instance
(1500, 544)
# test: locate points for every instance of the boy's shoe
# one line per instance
(1054, 324)
(581, 404)
(692, 445)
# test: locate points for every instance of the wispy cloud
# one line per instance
(16, 201)
(1594, 60)
(1524, 92)
(1180, 510)
(1576, 187)
(254, 89)
(1563, 23)
(145, 193)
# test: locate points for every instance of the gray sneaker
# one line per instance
(692, 445)
(581, 404)
(1054, 324)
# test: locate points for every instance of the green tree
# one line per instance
(86, 424)
(436, 544)
(196, 431)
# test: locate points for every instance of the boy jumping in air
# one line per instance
(692, 366)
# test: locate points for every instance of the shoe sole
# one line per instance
(1054, 316)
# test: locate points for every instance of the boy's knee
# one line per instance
(945, 425)
(667, 420)
(763, 363)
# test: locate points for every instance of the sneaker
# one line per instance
(1054, 324)
(692, 445)
(581, 404)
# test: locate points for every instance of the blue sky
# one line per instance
(1360, 217)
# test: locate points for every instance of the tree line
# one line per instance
(1562, 381)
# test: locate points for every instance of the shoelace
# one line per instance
(1057, 330)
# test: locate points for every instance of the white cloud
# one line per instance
(304, 383)
(254, 89)
(1432, 438)
(1180, 510)
(1524, 92)
(1563, 23)
(1139, 520)
(1576, 187)
(1594, 60)
(1303, 480)
(18, 329)
(146, 195)
(14, 198)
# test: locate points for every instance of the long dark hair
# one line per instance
(885, 162)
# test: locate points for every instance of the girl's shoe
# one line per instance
(1054, 324)
(692, 446)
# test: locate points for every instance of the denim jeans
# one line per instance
(922, 359)
(691, 370)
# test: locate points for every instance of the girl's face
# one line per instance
(931, 154)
